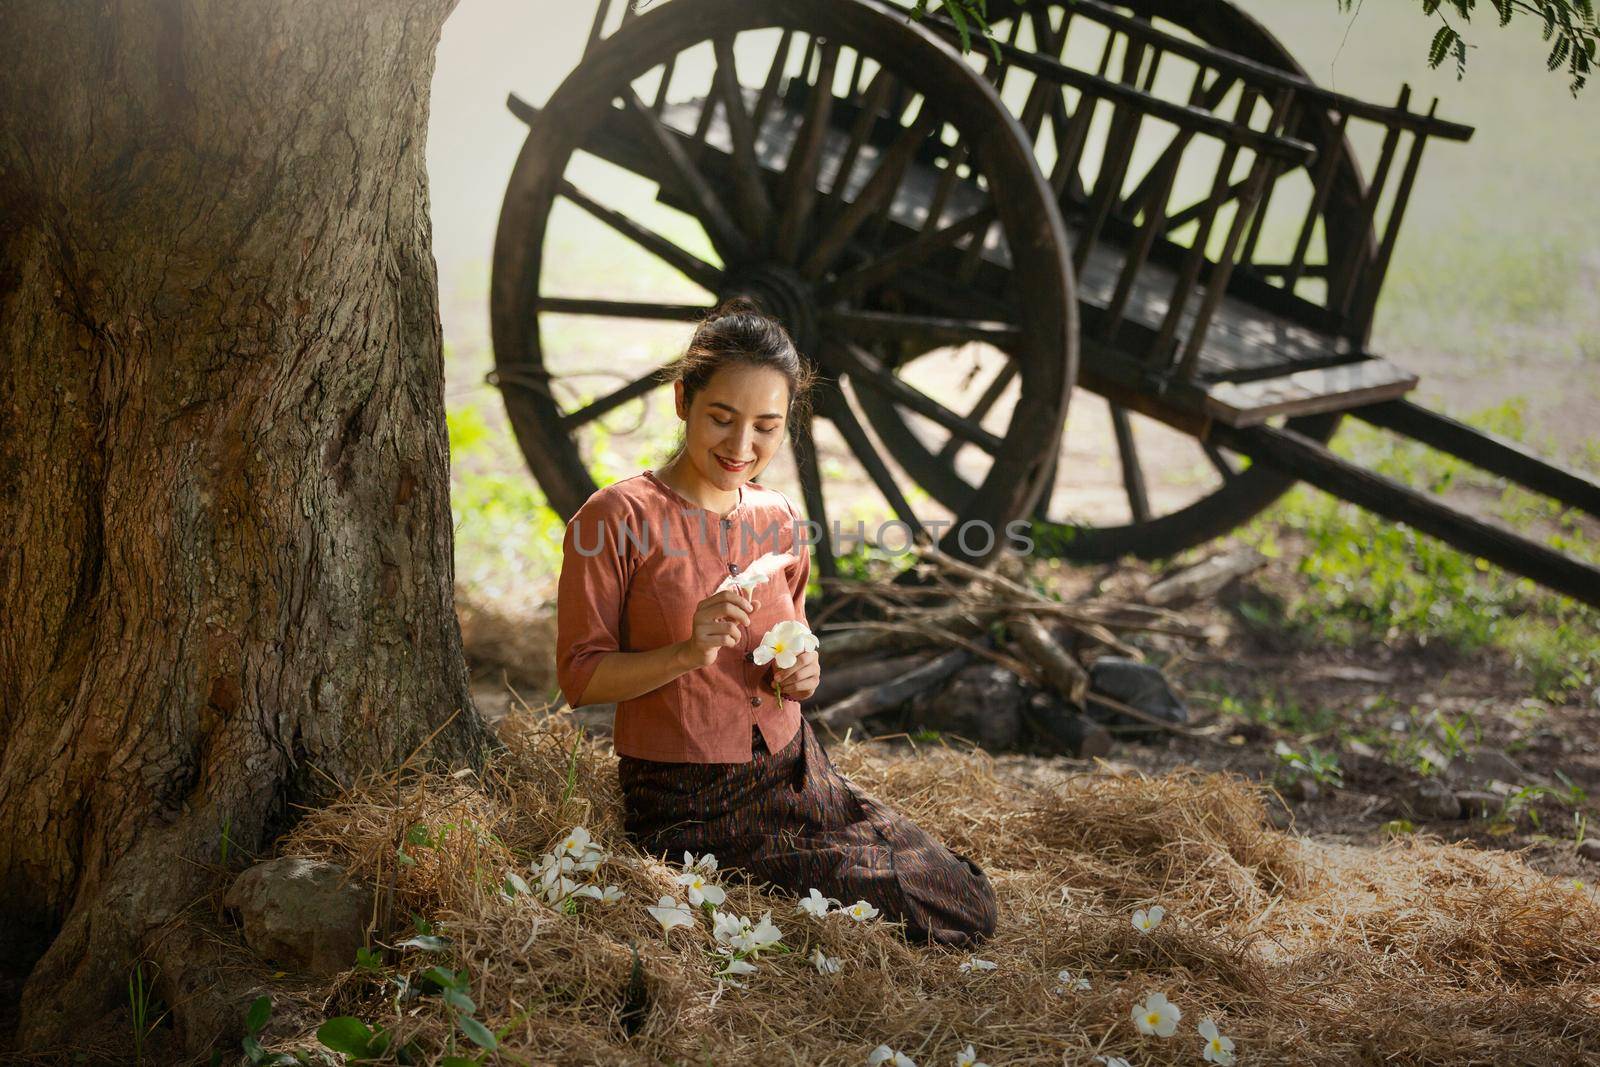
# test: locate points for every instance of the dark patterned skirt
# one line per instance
(790, 819)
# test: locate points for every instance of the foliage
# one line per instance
(1568, 24)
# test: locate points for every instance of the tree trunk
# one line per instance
(224, 474)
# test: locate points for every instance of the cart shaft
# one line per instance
(1311, 462)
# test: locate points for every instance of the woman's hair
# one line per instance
(738, 332)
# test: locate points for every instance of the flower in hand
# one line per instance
(791, 648)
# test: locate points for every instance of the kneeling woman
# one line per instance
(711, 757)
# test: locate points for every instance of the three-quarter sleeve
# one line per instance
(589, 597)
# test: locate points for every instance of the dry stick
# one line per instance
(1152, 720)
(842, 681)
(854, 708)
(1010, 663)
(1063, 672)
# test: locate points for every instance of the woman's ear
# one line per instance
(677, 400)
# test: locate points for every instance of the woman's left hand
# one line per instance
(801, 680)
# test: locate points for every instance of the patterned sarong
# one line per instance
(790, 819)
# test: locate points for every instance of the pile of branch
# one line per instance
(920, 635)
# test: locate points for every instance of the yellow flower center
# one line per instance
(1153, 1017)
(777, 646)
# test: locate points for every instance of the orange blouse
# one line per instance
(637, 558)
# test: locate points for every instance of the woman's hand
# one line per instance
(718, 623)
(801, 680)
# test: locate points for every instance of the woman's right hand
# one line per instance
(718, 623)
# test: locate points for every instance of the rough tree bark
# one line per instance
(224, 496)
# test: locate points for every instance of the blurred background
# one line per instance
(1491, 299)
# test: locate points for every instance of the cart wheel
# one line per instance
(759, 179)
(1194, 491)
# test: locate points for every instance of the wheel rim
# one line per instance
(789, 250)
(1160, 519)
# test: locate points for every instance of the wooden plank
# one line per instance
(1308, 391)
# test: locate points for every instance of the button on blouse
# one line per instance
(637, 558)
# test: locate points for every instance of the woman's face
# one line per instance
(737, 418)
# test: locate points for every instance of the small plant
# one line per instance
(256, 1018)
(453, 985)
(1322, 767)
(351, 1036)
(140, 1006)
(369, 960)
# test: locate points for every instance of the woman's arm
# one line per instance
(624, 675)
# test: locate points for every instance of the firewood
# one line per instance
(886, 695)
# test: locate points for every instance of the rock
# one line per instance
(982, 701)
(1478, 803)
(1432, 799)
(1138, 685)
(1487, 765)
(1060, 727)
(1589, 849)
(1304, 789)
(295, 913)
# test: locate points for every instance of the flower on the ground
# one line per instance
(824, 963)
(975, 964)
(706, 864)
(1219, 1049)
(784, 643)
(816, 904)
(1145, 921)
(699, 890)
(861, 911)
(968, 1057)
(575, 843)
(1065, 982)
(669, 913)
(741, 935)
(891, 1056)
(610, 894)
(736, 965)
(1157, 1015)
(1113, 1061)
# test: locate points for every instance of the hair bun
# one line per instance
(739, 303)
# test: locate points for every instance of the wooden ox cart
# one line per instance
(1148, 200)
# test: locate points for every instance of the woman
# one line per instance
(710, 757)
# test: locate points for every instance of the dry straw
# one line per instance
(1416, 953)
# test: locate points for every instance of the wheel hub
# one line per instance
(783, 294)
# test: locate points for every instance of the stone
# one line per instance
(1432, 799)
(981, 702)
(1479, 803)
(1062, 728)
(1485, 765)
(1589, 849)
(1137, 685)
(1304, 789)
(295, 913)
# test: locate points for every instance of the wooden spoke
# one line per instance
(621, 309)
(661, 89)
(1041, 509)
(913, 252)
(928, 330)
(837, 409)
(615, 399)
(769, 89)
(692, 266)
(1219, 459)
(947, 181)
(986, 400)
(709, 209)
(806, 156)
(864, 367)
(1201, 207)
(1132, 472)
(747, 180)
(804, 446)
(879, 188)
(871, 102)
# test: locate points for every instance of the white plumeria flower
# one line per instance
(737, 966)
(591, 892)
(824, 963)
(699, 890)
(575, 843)
(816, 904)
(784, 643)
(757, 573)
(610, 894)
(1113, 1061)
(861, 911)
(1157, 1015)
(1065, 982)
(891, 1056)
(1145, 921)
(1219, 1049)
(706, 864)
(968, 1057)
(590, 859)
(669, 913)
(975, 964)
(762, 935)
(725, 925)
(515, 884)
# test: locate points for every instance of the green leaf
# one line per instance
(1440, 45)
(256, 1017)
(445, 978)
(459, 1001)
(280, 1059)
(252, 1048)
(346, 1034)
(457, 1061)
(479, 1033)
